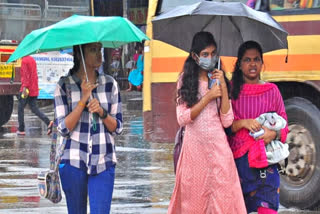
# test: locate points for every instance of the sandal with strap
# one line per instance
(49, 129)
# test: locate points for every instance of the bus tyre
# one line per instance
(300, 186)
(6, 103)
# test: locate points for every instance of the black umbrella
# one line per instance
(231, 23)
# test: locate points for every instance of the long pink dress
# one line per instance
(207, 181)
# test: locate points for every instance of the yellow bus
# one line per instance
(298, 81)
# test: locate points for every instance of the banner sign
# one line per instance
(51, 66)
(138, 16)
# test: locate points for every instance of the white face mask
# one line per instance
(207, 63)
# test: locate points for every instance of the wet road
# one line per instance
(144, 178)
(144, 173)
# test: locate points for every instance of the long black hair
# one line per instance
(237, 75)
(191, 70)
(77, 58)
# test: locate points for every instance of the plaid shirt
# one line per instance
(89, 148)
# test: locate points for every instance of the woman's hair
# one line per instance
(138, 45)
(77, 58)
(237, 76)
(188, 92)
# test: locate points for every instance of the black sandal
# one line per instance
(49, 129)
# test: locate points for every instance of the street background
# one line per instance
(144, 173)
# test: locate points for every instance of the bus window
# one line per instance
(170, 4)
(293, 4)
(166, 5)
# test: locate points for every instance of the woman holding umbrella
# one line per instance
(206, 176)
(252, 97)
(88, 112)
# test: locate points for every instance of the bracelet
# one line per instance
(81, 104)
(104, 114)
(202, 101)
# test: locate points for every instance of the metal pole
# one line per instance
(125, 8)
(45, 13)
(125, 51)
(92, 8)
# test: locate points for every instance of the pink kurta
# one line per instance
(207, 181)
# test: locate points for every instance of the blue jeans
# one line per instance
(77, 184)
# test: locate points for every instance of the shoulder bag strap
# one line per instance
(54, 158)
(53, 146)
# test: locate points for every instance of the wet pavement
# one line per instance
(144, 173)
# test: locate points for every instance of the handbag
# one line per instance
(177, 146)
(49, 180)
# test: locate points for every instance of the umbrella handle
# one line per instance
(94, 123)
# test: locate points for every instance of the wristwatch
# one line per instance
(104, 115)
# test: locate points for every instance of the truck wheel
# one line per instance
(300, 186)
(6, 103)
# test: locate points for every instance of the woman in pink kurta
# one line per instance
(206, 178)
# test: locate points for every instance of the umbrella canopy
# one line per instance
(111, 31)
(231, 23)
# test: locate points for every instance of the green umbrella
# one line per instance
(111, 31)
